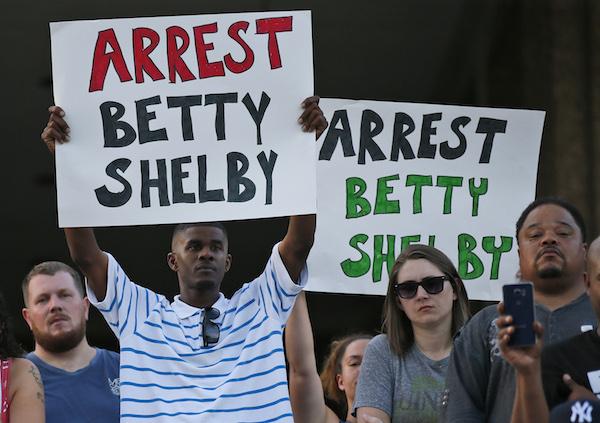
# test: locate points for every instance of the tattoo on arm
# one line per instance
(38, 380)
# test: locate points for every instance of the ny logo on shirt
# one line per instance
(581, 412)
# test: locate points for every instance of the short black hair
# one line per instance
(183, 226)
(557, 201)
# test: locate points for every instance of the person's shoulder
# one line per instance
(21, 367)
(380, 342)
(108, 354)
(482, 319)
(568, 345)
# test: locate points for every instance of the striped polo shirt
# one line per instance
(167, 375)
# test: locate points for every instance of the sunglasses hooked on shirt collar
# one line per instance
(431, 284)
(210, 329)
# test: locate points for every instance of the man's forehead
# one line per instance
(549, 214)
(41, 283)
(200, 233)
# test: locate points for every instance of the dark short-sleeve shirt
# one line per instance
(578, 356)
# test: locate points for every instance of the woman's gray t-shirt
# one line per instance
(408, 389)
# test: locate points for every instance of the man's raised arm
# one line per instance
(296, 245)
(82, 243)
(298, 241)
(89, 257)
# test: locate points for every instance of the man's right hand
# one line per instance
(524, 359)
(56, 130)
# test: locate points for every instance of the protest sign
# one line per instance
(183, 118)
(395, 174)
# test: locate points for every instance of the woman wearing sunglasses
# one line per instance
(403, 371)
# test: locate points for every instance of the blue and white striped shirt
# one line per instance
(166, 373)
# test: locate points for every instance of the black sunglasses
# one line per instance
(210, 330)
(431, 284)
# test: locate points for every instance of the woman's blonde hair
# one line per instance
(396, 323)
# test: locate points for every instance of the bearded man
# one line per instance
(81, 383)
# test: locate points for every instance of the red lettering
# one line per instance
(234, 33)
(176, 64)
(272, 26)
(206, 69)
(141, 55)
(102, 60)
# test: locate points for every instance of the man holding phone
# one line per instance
(569, 370)
(551, 240)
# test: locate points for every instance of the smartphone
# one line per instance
(518, 302)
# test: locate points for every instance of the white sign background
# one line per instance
(81, 163)
(511, 174)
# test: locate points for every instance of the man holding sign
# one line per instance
(202, 357)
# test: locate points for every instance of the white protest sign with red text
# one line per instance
(183, 118)
(395, 174)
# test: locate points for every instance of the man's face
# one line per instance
(199, 256)
(551, 249)
(56, 312)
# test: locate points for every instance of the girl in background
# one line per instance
(327, 399)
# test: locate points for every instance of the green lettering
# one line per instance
(379, 256)
(476, 192)
(382, 204)
(418, 181)
(360, 267)
(431, 241)
(467, 258)
(356, 205)
(407, 240)
(449, 182)
(489, 246)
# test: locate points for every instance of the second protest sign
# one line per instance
(395, 174)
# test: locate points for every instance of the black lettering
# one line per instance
(235, 179)
(205, 195)
(343, 134)
(185, 103)
(220, 100)
(452, 153)
(267, 166)
(144, 117)
(178, 175)
(426, 149)
(403, 125)
(115, 199)
(111, 124)
(257, 114)
(160, 182)
(367, 133)
(490, 127)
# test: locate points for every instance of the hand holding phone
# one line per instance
(518, 303)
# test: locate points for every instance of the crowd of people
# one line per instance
(205, 357)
